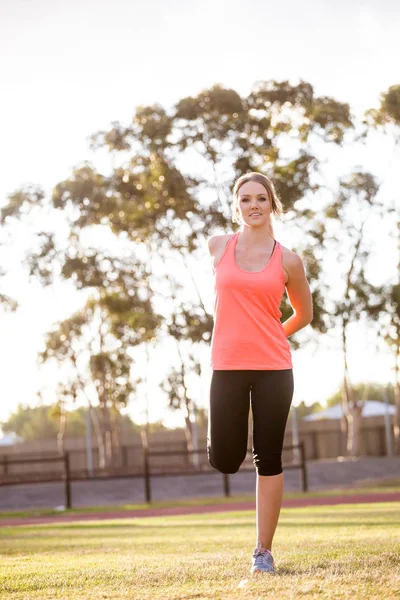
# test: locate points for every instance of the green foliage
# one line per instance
(8, 303)
(41, 423)
(355, 203)
(21, 202)
(31, 423)
(388, 111)
(146, 202)
(147, 199)
(375, 391)
(333, 117)
(390, 103)
(303, 409)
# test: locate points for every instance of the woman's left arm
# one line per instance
(299, 295)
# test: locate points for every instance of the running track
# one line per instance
(204, 508)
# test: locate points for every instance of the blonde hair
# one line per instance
(276, 204)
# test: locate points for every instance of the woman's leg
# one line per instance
(228, 419)
(271, 396)
(268, 506)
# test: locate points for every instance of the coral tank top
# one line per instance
(247, 332)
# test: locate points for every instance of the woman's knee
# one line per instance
(271, 465)
(225, 464)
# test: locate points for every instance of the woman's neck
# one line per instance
(256, 238)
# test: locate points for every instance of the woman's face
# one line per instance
(254, 206)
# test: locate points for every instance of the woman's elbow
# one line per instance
(305, 316)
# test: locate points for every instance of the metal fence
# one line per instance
(149, 470)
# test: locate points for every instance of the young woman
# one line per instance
(250, 354)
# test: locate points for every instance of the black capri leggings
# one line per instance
(271, 395)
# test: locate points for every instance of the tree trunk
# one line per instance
(188, 434)
(61, 431)
(188, 423)
(354, 429)
(352, 409)
(116, 437)
(106, 432)
(99, 438)
(397, 402)
(189, 438)
(103, 427)
(93, 414)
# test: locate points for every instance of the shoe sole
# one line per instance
(260, 571)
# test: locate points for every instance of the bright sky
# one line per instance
(70, 68)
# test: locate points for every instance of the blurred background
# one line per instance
(124, 127)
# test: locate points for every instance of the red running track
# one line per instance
(199, 509)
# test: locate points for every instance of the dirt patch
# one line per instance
(199, 509)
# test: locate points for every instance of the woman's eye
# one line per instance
(246, 199)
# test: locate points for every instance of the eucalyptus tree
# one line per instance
(176, 388)
(6, 302)
(119, 315)
(154, 209)
(186, 326)
(366, 390)
(353, 297)
(386, 118)
(95, 366)
(43, 422)
(224, 135)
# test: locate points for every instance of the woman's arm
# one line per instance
(299, 295)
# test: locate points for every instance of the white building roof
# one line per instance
(9, 439)
(371, 408)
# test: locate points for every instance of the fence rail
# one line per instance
(64, 458)
(67, 476)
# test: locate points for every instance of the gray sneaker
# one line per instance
(262, 560)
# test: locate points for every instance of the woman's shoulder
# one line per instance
(215, 242)
(289, 254)
(291, 261)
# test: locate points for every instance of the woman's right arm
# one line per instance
(213, 245)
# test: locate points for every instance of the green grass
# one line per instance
(390, 485)
(346, 551)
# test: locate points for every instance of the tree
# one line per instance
(303, 409)
(88, 346)
(41, 422)
(6, 301)
(147, 206)
(387, 119)
(348, 214)
(365, 391)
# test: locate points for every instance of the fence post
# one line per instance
(303, 471)
(383, 440)
(67, 481)
(124, 451)
(227, 488)
(146, 464)
(315, 444)
(147, 475)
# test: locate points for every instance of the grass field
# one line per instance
(346, 551)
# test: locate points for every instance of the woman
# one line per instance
(250, 353)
